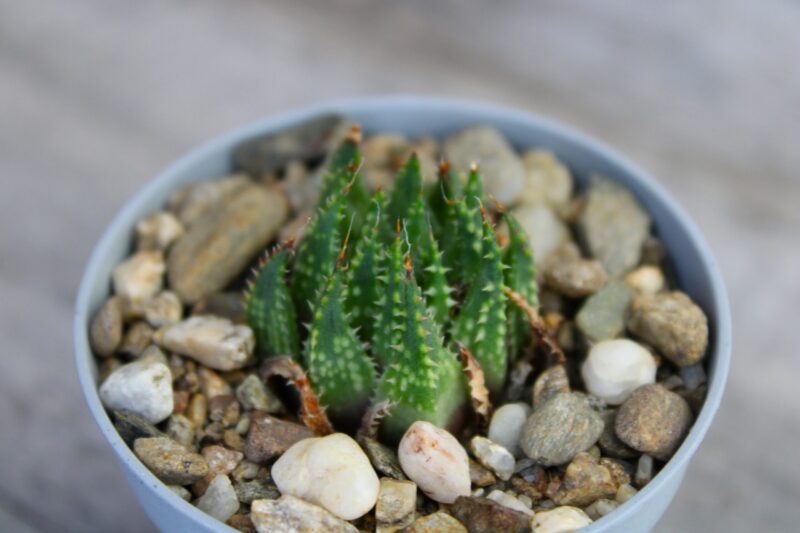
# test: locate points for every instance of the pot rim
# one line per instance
(125, 219)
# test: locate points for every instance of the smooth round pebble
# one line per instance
(564, 519)
(506, 426)
(615, 368)
(332, 472)
(144, 387)
(647, 279)
(435, 461)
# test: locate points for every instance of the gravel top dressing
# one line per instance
(385, 334)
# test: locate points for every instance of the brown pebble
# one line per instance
(169, 461)
(224, 408)
(233, 440)
(197, 410)
(479, 475)
(180, 399)
(105, 332)
(585, 480)
(269, 437)
(136, 339)
(242, 523)
(618, 472)
(482, 515)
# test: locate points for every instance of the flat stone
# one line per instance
(139, 277)
(654, 421)
(219, 499)
(132, 426)
(158, 231)
(479, 475)
(253, 394)
(193, 201)
(646, 279)
(482, 515)
(566, 272)
(673, 324)
(603, 315)
(383, 458)
(493, 456)
(585, 481)
(505, 427)
(211, 341)
(163, 309)
(619, 472)
(615, 368)
(438, 522)
(614, 226)
(288, 513)
(501, 169)
(644, 471)
(221, 244)
(507, 500)
(609, 443)
(229, 304)
(269, 437)
(105, 331)
(171, 462)
(549, 383)
(562, 519)
(396, 505)
(435, 461)
(561, 428)
(546, 232)
(547, 180)
(142, 387)
(267, 154)
(330, 471)
(256, 489)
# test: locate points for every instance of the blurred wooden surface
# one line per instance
(96, 96)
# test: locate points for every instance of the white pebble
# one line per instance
(212, 341)
(435, 461)
(509, 501)
(141, 276)
(288, 513)
(332, 472)
(545, 231)
(493, 456)
(547, 180)
(646, 279)
(506, 426)
(219, 499)
(564, 519)
(615, 368)
(163, 309)
(158, 231)
(144, 387)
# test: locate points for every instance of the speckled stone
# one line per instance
(171, 462)
(550, 382)
(288, 513)
(482, 515)
(269, 437)
(585, 481)
(105, 331)
(603, 314)
(438, 522)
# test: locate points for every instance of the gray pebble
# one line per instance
(550, 382)
(180, 429)
(136, 339)
(644, 471)
(257, 489)
(603, 315)
(693, 376)
(568, 273)
(609, 443)
(252, 393)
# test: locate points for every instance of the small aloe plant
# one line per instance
(386, 292)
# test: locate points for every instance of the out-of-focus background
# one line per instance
(97, 95)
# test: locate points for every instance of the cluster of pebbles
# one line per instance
(568, 443)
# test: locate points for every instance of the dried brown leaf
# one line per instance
(544, 334)
(372, 419)
(479, 394)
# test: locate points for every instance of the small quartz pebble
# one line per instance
(171, 462)
(268, 437)
(211, 341)
(693, 376)
(509, 501)
(182, 492)
(572, 275)
(584, 482)
(506, 426)
(105, 332)
(438, 522)
(330, 471)
(143, 387)
(644, 471)
(288, 513)
(603, 314)
(545, 231)
(140, 277)
(479, 475)
(219, 499)
(625, 493)
(561, 428)
(221, 460)
(654, 421)
(482, 515)
(600, 508)
(158, 231)
(550, 382)
(434, 459)
(673, 324)
(615, 368)
(547, 180)
(252, 393)
(397, 503)
(163, 309)
(564, 519)
(212, 384)
(647, 279)
(181, 430)
(493, 456)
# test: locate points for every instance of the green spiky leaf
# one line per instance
(270, 311)
(406, 191)
(520, 277)
(384, 336)
(342, 177)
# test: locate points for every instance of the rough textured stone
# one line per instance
(219, 499)
(547, 180)
(603, 315)
(618, 470)
(482, 515)
(550, 382)
(493, 456)
(288, 513)
(572, 275)
(143, 387)
(140, 276)
(506, 426)
(221, 460)
(330, 471)
(434, 459)
(163, 309)
(171, 462)
(211, 341)
(502, 171)
(561, 428)
(654, 421)
(219, 246)
(383, 458)
(158, 231)
(673, 324)
(563, 519)
(438, 522)
(105, 331)
(132, 426)
(269, 437)
(181, 430)
(615, 368)
(182, 493)
(614, 226)
(256, 489)
(252, 393)
(136, 339)
(396, 505)
(585, 480)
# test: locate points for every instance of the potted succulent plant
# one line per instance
(406, 306)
